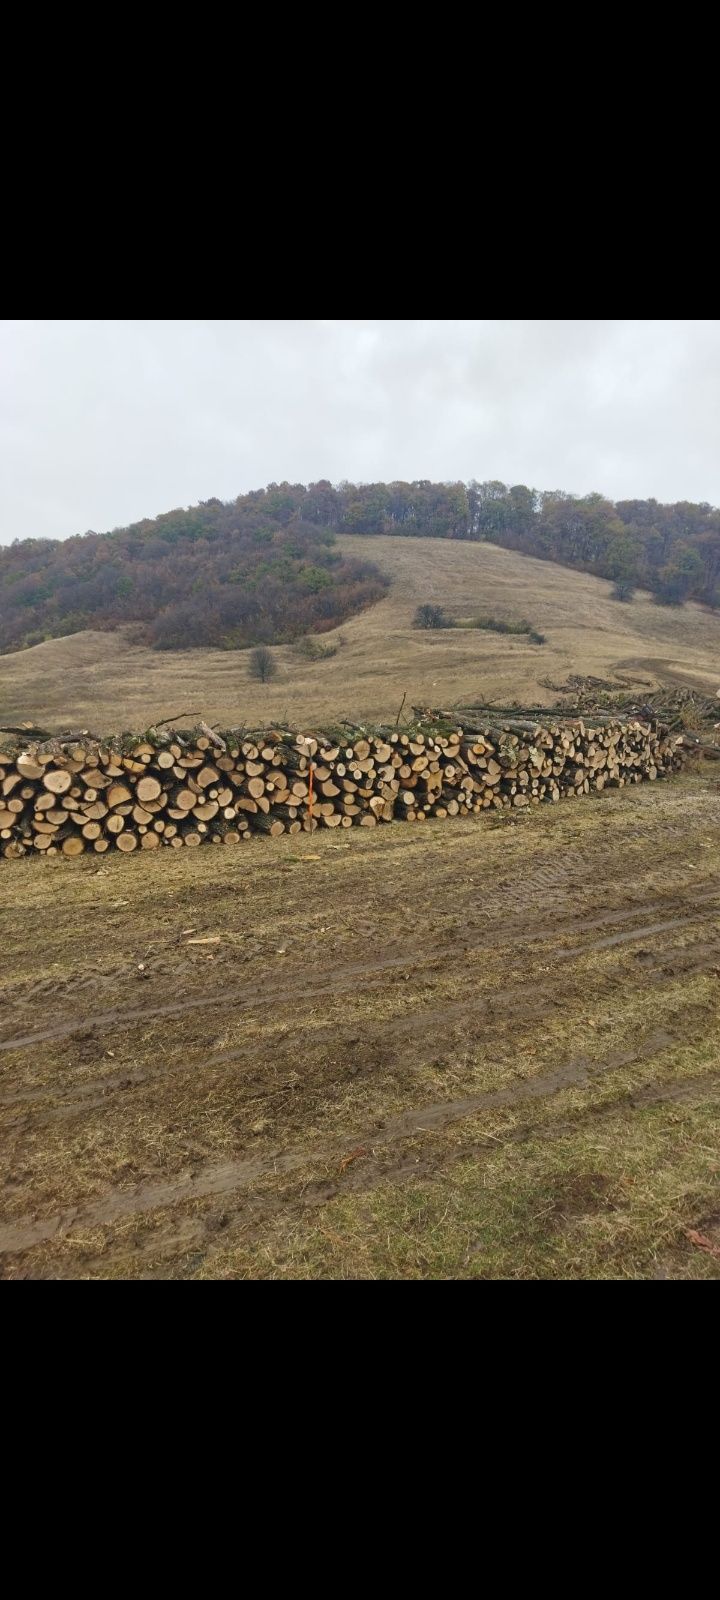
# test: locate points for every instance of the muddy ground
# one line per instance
(465, 1049)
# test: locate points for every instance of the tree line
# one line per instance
(265, 568)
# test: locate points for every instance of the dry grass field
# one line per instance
(478, 1048)
(98, 679)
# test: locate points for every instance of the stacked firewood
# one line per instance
(180, 788)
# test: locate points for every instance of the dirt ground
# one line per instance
(100, 680)
(476, 1049)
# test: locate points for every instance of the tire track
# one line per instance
(371, 974)
(414, 1030)
(233, 1176)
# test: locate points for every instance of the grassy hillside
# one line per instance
(102, 679)
(265, 568)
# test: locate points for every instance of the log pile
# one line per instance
(181, 789)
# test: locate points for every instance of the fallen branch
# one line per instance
(164, 721)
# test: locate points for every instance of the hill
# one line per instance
(671, 550)
(266, 567)
(96, 679)
(228, 575)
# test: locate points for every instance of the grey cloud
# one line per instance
(102, 423)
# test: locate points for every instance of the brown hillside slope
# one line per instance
(100, 678)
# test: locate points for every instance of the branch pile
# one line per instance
(679, 709)
(190, 787)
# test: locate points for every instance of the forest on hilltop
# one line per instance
(672, 550)
(265, 568)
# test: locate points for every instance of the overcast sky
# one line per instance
(102, 423)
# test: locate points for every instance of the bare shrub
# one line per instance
(262, 664)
